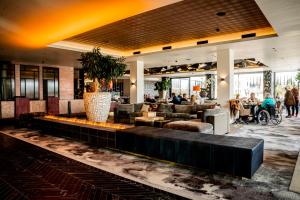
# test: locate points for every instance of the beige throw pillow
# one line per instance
(145, 108)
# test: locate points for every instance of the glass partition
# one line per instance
(246, 83)
(50, 82)
(180, 86)
(197, 81)
(78, 83)
(7, 81)
(29, 81)
(282, 80)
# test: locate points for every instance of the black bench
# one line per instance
(233, 155)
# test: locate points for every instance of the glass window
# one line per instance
(50, 82)
(29, 78)
(181, 86)
(7, 81)
(78, 83)
(282, 80)
(245, 83)
(118, 88)
(197, 81)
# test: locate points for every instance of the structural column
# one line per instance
(225, 76)
(17, 80)
(137, 82)
(267, 82)
(41, 83)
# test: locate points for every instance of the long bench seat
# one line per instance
(233, 155)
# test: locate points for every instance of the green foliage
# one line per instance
(101, 67)
(298, 76)
(163, 85)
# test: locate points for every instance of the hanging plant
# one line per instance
(102, 69)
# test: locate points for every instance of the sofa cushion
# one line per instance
(205, 106)
(145, 108)
(138, 107)
(165, 108)
(184, 109)
(153, 107)
(192, 126)
(126, 107)
(178, 115)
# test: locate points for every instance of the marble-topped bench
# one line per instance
(233, 155)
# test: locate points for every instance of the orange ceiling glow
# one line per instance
(39, 23)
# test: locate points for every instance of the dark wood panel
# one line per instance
(189, 19)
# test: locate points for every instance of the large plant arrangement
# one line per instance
(163, 85)
(102, 69)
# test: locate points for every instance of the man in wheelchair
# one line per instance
(268, 104)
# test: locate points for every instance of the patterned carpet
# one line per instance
(271, 181)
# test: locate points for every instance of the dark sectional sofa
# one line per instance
(233, 155)
(219, 118)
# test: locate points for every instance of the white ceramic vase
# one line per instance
(97, 105)
(162, 94)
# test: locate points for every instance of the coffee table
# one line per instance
(147, 121)
(161, 123)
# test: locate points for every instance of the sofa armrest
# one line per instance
(200, 115)
(220, 122)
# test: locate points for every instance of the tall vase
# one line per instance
(97, 105)
(162, 94)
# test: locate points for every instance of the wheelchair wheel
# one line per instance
(263, 117)
(277, 118)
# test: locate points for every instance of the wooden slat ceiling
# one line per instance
(185, 20)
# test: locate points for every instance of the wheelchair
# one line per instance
(271, 114)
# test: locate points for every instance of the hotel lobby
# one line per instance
(143, 99)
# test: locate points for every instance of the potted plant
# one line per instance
(162, 87)
(101, 69)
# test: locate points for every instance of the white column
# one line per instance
(41, 83)
(225, 81)
(137, 82)
(17, 80)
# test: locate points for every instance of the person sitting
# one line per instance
(175, 99)
(193, 100)
(184, 97)
(268, 104)
(252, 100)
(149, 99)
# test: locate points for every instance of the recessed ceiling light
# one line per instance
(221, 14)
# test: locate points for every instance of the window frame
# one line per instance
(12, 79)
(247, 73)
(43, 77)
(23, 68)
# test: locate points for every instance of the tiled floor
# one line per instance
(30, 172)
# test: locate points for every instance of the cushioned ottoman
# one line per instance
(193, 126)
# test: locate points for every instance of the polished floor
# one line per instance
(30, 172)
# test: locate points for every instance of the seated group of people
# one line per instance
(256, 106)
(178, 99)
